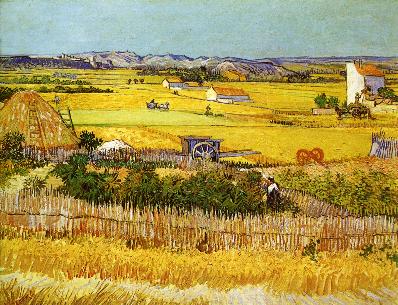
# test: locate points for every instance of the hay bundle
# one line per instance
(28, 113)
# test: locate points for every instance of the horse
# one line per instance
(164, 106)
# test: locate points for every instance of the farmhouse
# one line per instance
(227, 95)
(28, 113)
(174, 83)
(360, 76)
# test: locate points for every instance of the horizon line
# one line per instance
(168, 53)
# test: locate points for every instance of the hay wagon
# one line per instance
(206, 148)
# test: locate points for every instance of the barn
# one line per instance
(43, 127)
(360, 76)
(174, 83)
(227, 95)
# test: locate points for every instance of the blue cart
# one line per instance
(201, 147)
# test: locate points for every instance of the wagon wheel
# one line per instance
(317, 155)
(356, 113)
(204, 151)
(364, 113)
(303, 156)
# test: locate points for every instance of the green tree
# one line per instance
(11, 146)
(321, 100)
(89, 141)
(387, 94)
(6, 92)
(333, 102)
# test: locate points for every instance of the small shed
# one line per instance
(227, 95)
(174, 83)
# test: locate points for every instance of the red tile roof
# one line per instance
(369, 70)
(230, 91)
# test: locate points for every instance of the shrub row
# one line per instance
(44, 79)
(361, 192)
(80, 89)
(227, 191)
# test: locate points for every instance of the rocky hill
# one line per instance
(252, 68)
(126, 59)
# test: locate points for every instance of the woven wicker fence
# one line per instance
(383, 147)
(60, 155)
(58, 216)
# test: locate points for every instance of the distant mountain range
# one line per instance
(131, 60)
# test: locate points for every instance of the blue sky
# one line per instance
(251, 29)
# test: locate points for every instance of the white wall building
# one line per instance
(227, 95)
(174, 83)
(360, 76)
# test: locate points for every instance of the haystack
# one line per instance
(28, 113)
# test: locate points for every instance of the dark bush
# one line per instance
(226, 191)
(11, 146)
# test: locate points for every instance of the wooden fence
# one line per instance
(61, 155)
(58, 216)
(383, 147)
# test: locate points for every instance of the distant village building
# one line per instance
(174, 83)
(227, 95)
(360, 76)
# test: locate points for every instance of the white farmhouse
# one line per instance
(359, 77)
(227, 95)
(174, 83)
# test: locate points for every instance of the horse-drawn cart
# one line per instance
(356, 110)
(206, 148)
(152, 105)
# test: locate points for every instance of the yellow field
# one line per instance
(282, 272)
(253, 125)
(18, 286)
(105, 271)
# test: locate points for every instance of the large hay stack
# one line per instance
(28, 113)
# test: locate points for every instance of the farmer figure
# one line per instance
(273, 195)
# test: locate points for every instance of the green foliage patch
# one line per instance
(364, 193)
(226, 191)
(42, 79)
(80, 89)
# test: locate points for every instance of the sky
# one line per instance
(249, 29)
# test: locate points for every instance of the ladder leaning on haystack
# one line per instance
(66, 118)
(65, 114)
(35, 130)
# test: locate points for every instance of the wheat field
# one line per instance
(253, 125)
(282, 272)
